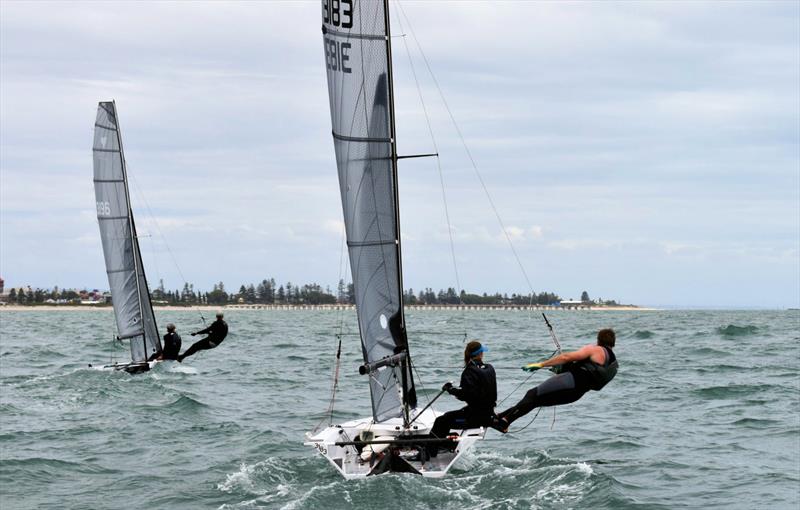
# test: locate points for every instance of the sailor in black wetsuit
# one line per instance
(478, 389)
(217, 332)
(172, 343)
(589, 368)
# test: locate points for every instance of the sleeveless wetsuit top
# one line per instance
(593, 375)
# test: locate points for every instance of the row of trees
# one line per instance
(451, 297)
(31, 296)
(269, 292)
(265, 292)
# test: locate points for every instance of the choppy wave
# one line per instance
(709, 351)
(733, 330)
(731, 391)
(231, 436)
(43, 469)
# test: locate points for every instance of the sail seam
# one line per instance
(346, 138)
(109, 112)
(352, 35)
(119, 270)
(370, 243)
(105, 127)
(109, 180)
(105, 150)
(112, 218)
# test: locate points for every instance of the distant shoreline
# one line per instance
(210, 308)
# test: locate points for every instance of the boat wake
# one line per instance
(177, 368)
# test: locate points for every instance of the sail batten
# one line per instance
(357, 56)
(131, 300)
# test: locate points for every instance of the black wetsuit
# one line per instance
(217, 332)
(571, 384)
(479, 390)
(172, 346)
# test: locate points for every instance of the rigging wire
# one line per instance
(468, 152)
(515, 389)
(421, 384)
(532, 420)
(459, 289)
(339, 335)
(163, 237)
(342, 269)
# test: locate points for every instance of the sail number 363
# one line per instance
(103, 209)
(338, 13)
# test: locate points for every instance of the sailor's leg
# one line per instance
(558, 390)
(200, 345)
(445, 422)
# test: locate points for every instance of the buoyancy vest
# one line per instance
(597, 375)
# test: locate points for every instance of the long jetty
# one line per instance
(252, 306)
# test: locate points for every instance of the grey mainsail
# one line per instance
(358, 61)
(131, 299)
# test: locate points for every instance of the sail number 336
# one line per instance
(103, 209)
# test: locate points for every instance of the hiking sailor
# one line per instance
(217, 332)
(589, 368)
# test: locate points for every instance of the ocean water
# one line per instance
(704, 413)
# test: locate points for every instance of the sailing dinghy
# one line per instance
(357, 44)
(133, 310)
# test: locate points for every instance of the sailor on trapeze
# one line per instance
(589, 368)
(478, 389)
(217, 332)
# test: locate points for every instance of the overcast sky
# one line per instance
(645, 152)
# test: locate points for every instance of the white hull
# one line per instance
(386, 455)
(132, 368)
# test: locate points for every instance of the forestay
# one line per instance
(358, 61)
(131, 299)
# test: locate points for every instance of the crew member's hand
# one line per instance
(447, 387)
(532, 367)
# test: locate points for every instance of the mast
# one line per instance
(406, 363)
(134, 244)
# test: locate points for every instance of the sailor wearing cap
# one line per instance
(478, 389)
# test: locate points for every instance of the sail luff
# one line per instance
(145, 309)
(134, 243)
(409, 393)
